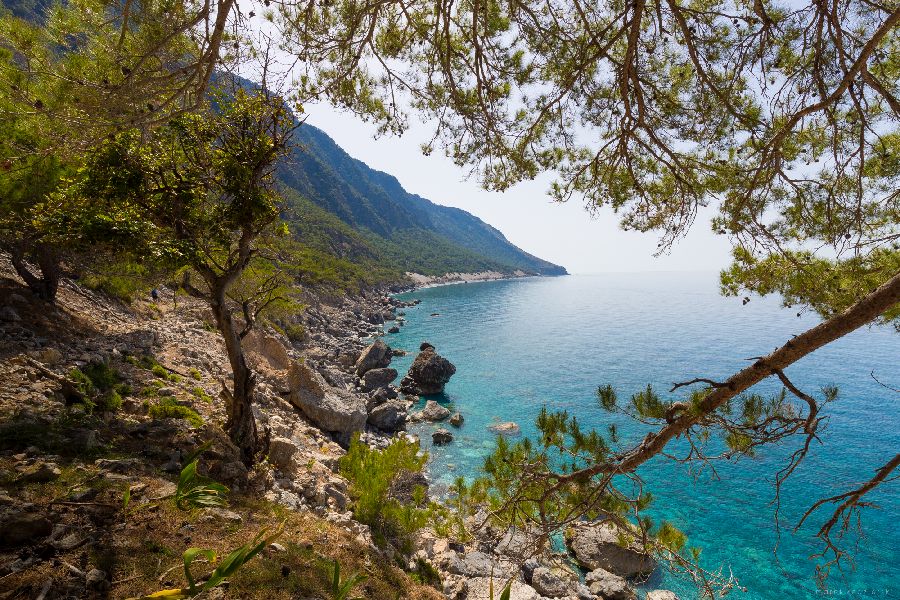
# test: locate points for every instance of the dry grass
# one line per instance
(141, 546)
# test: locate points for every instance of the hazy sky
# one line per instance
(561, 233)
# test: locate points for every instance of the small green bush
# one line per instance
(195, 374)
(371, 473)
(100, 387)
(159, 371)
(201, 394)
(168, 408)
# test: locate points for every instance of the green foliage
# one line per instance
(342, 588)
(200, 394)
(169, 408)
(195, 491)
(195, 374)
(100, 386)
(371, 473)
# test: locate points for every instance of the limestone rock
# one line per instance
(281, 453)
(433, 412)
(550, 584)
(18, 527)
(376, 356)
(456, 419)
(378, 378)
(479, 589)
(331, 409)
(268, 348)
(441, 437)
(428, 373)
(39, 472)
(596, 546)
(609, 586)
(661, 595)
(389, 416)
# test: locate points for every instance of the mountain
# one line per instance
(411, 233)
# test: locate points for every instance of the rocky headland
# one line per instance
(315, 391)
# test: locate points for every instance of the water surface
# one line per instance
(523, 344)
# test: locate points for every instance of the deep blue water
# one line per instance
(522, 344)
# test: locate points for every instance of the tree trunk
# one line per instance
(46, 285)
(241, 426)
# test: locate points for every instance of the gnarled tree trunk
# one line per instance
(241, 425)
(46, 284)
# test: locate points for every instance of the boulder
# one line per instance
(506, 428)
(394, 329)
(281, 453)
(376, 356)
(9, 314)
(267, 348)
(456, 419)
(441, 437)
(609, 586)
(661, 595)
(39, 472)
(597, 546)
(331, 409)
(550, 584)
(433, 412)
(389, 416)
(18, 527)
(378, 378)
(479, 589)
(428, 373)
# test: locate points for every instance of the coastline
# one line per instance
(421, 282)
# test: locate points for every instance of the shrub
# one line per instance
(195, 374)
(169, 408)
(99, 386)
(201, 394)
(371, 474)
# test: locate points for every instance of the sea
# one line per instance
(523, 344)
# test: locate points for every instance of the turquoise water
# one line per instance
(518, 345)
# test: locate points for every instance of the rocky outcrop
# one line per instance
(432, 412)
(389, 416)
(331, 409)
(377, 378)
(268, 348)
(456, 419)
(597, 546)
(609, 586)
(428, 374)
(441, 437)
(376, 356)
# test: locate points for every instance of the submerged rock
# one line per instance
(441, 437)
(428, 374)
(597, 546)
(506, 428)
(376, 356)
(456, 419)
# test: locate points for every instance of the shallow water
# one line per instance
(522, 344)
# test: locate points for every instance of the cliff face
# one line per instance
(411, 233)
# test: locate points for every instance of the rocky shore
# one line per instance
(314, 392)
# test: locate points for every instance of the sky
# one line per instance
(564, 234)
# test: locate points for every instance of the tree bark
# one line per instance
(241, 425)
(46, 285)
